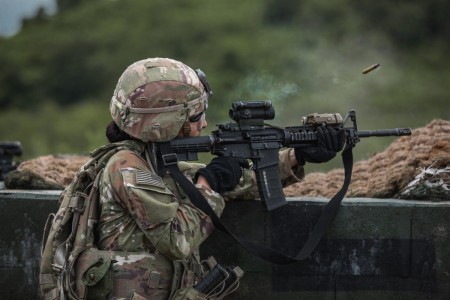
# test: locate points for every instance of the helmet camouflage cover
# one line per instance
(154, 97)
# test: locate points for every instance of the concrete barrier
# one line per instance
(375, 249)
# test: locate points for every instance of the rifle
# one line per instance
(7, 151)
(249, 137)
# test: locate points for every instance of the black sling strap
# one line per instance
(329, 212)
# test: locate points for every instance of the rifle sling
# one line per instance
(262, 251)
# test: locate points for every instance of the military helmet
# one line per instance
(155, 97)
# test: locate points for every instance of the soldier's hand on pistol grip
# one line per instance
(329, 142)
(223, 173)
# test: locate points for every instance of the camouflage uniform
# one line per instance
(143, 217)
(143, 242)
(140, 211)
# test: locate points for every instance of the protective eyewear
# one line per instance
(197, 117)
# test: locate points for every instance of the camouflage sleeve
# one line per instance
(215, 200)
(174, 228)
(247, 188)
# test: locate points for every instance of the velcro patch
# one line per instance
(148, 178)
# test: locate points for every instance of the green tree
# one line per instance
(306, 56)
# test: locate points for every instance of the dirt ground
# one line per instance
(412, 167)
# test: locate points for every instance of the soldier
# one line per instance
(144, 215)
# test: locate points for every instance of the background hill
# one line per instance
(58, 73)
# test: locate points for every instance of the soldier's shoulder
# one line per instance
(125, 159)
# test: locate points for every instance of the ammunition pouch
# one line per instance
(219, 281)
(99, 279)
(186, 275)
(207, 280)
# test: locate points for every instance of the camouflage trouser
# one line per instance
(140, 275)
(127, 275)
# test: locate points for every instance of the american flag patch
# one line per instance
(148, 178)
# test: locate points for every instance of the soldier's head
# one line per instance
(158, 99)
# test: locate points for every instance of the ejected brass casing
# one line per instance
(370, 69)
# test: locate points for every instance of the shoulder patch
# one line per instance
(148, 178)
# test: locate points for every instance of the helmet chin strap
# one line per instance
(186, 128)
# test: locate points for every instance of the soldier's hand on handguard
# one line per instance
(329, 142)
(223, 173)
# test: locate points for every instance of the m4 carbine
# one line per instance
(249, 137)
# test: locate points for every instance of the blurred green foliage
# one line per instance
(58, 74)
